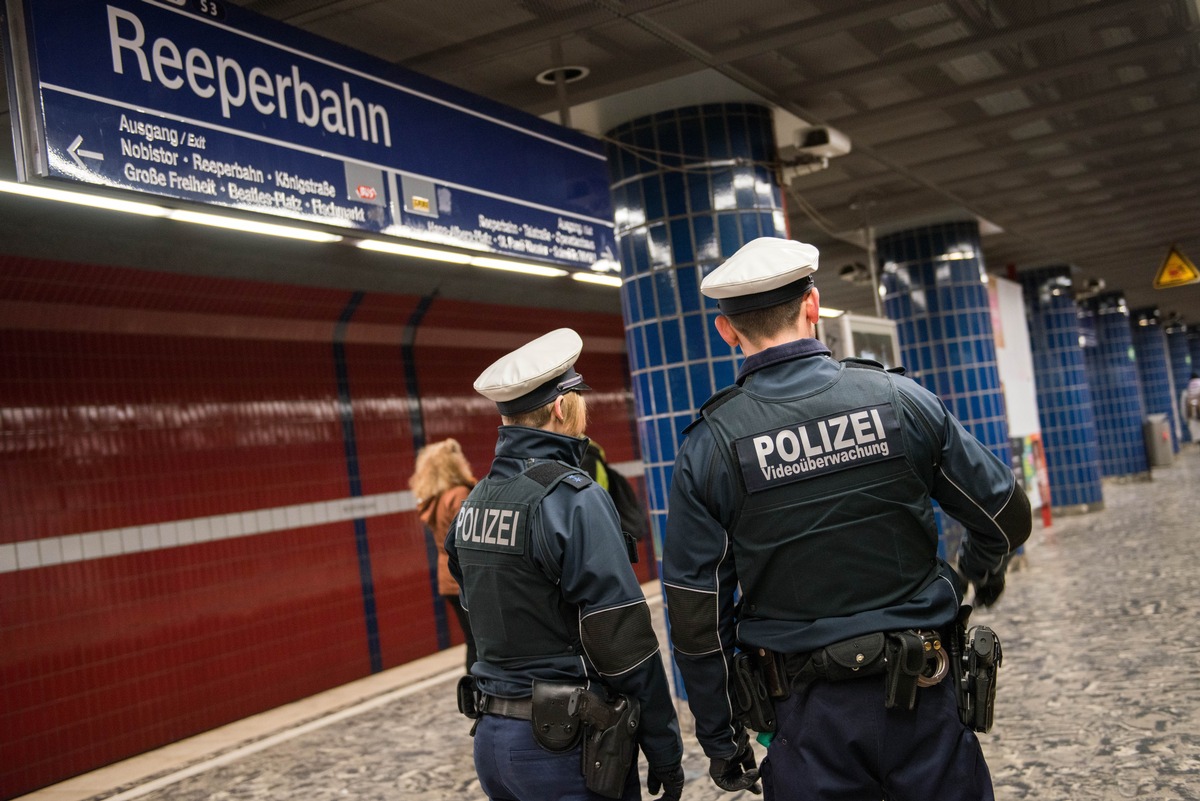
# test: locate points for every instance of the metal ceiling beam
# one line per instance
(1136, 121)
(1004, 122)
(812, 29)
(1114, 219)
(1114, 180)
(899, 203)
(470, 54)
(888, 115)
(941, 170)
(1184, 140)
(1132, 196)
(1081, 18)
(1117, 251)
(930, 141)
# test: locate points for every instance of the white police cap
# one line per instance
(764, 272)
(534, 374)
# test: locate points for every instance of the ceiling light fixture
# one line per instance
(400, 249)
(593, 278)
(152, 210)
(568, 74)
(252, 226)
(80, 199)
(516, 266)
(435, 254)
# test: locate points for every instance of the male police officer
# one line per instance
(807, 485)
(555, 605)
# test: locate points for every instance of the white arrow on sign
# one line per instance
(75, 152)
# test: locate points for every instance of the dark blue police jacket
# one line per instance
(575, 541)
(716, 485)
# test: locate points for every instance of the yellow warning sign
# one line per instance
(1177, 270)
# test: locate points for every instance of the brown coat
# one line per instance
(438, 513)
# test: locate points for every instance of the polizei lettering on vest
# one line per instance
(840, 433)
(818, 446)
(489, 528)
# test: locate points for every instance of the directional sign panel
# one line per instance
(203, 101)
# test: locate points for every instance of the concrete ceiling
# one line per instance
(1069, 128)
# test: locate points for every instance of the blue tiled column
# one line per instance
(1064, 399)
(1182, 366)
(1154, 369)
(690, 186)
(1113, 377)
(933, 278)
(1193, 340)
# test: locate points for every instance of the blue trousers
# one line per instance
(837, 742)
(513, 767)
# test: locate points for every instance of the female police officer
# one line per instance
(553, 600)
(808, 485)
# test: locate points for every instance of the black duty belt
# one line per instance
(908, 659)
(519, 708)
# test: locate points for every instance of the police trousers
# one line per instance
(513, 767)
(837, 742)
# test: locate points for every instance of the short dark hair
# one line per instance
(762, 324)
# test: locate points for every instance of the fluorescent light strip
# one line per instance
(826, 311)
(516, 266)
(435, 254)
(180, 215)
(416, 252)
(595, 278)
(252, 226)
(80, 199)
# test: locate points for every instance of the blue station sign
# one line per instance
(203, 101)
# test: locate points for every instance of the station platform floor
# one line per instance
(1099, 694)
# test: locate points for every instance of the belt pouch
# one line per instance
(852, 659)
(468, 697)
(554, 728)
(608, 754)
(754, 706)
(905, 661)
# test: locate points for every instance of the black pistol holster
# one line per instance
(976, 656)
(610, 739)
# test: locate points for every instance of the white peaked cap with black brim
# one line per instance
(534, 374)
(764, 272)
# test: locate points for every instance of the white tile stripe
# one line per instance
(157, 536)
(69, 548)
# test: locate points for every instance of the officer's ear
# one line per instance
(558, 414)
(812, 307)
(727, 331)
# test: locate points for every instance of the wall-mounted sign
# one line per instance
(203, 101)
(1176, 270)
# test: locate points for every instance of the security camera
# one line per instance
(821, 141)
(855, 273)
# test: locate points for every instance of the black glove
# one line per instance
(738, 772)
(989, 588)
(668, 778)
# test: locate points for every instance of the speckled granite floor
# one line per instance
(1099, 695)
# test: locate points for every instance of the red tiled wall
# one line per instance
(130, 398)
